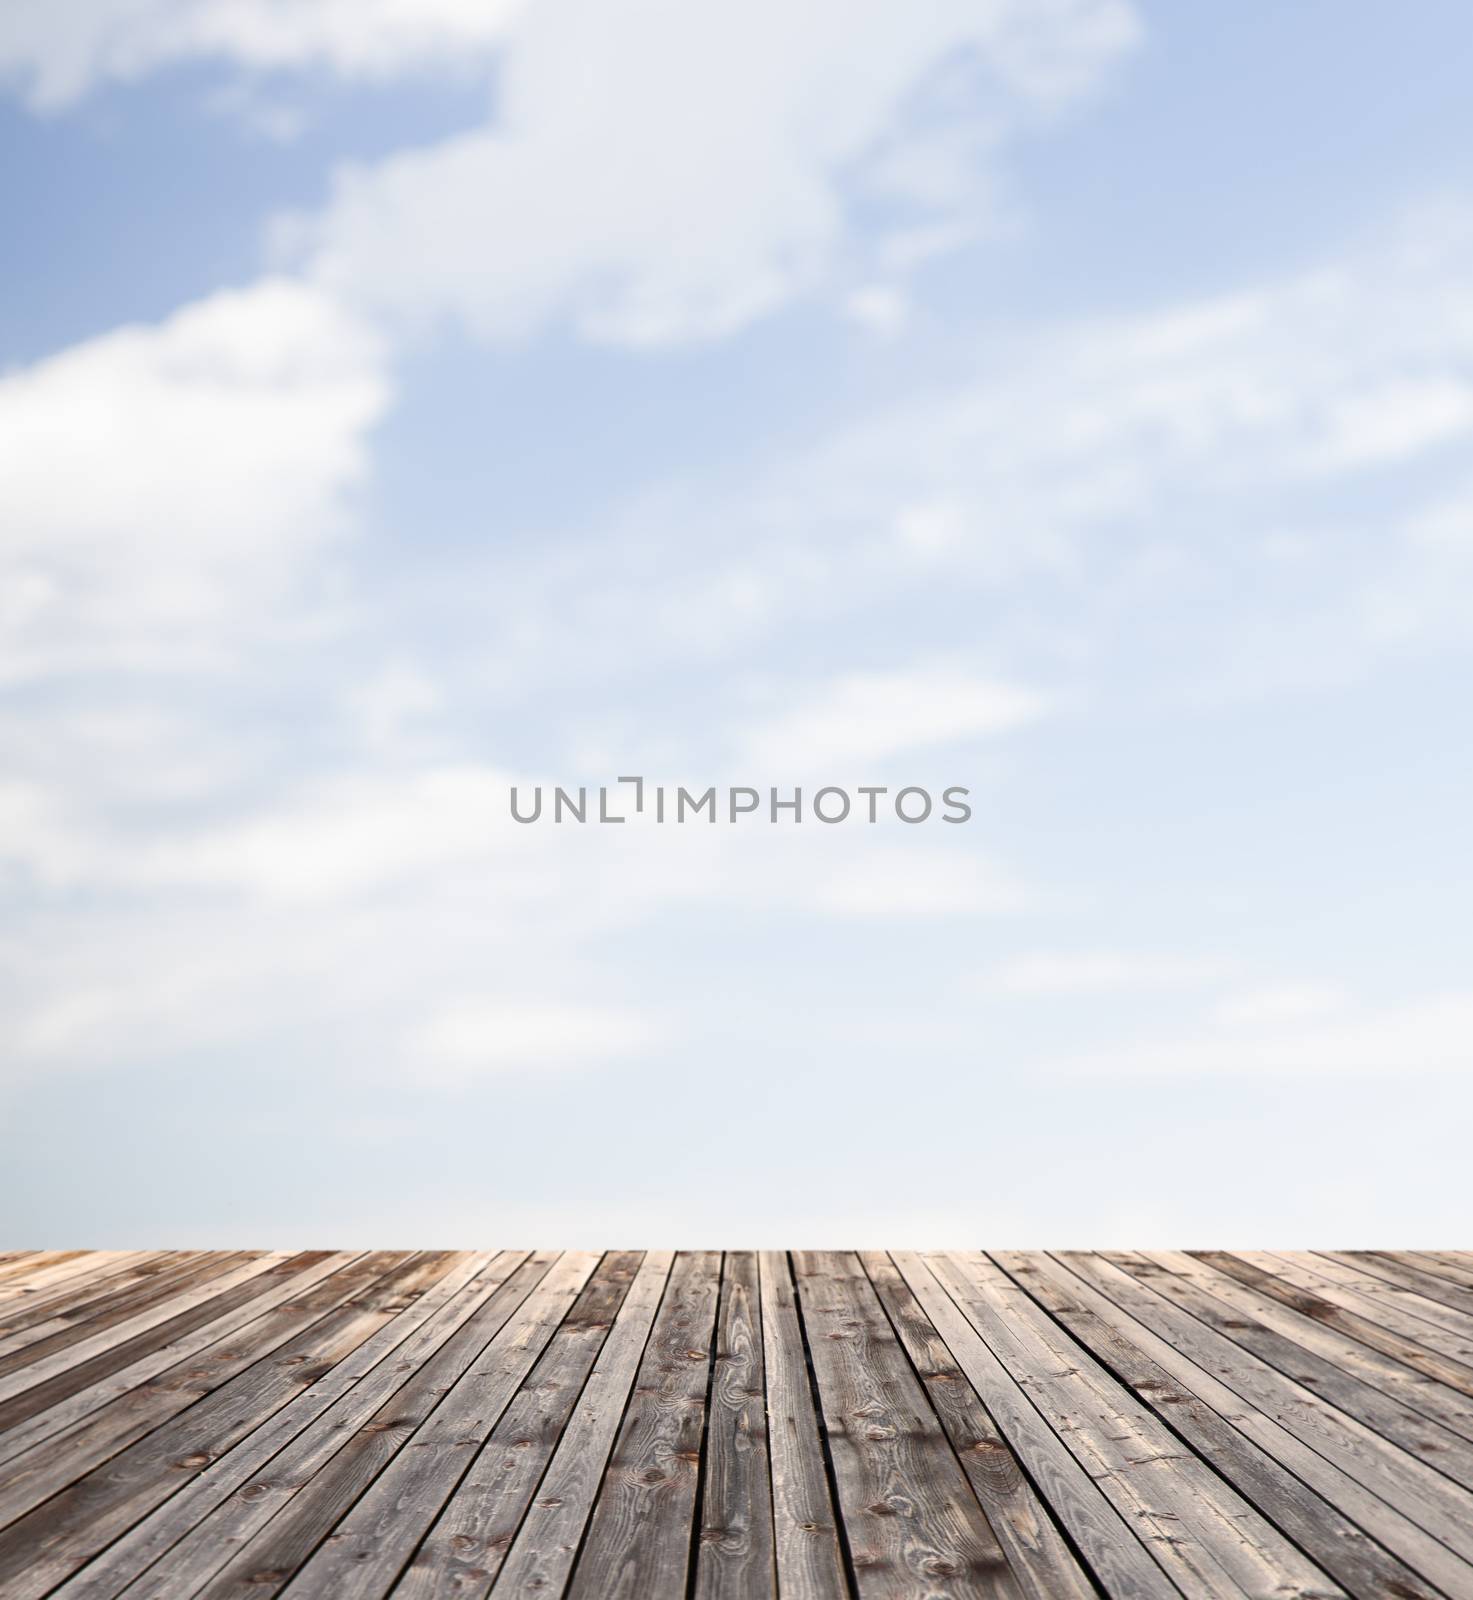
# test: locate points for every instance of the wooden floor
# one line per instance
(809, 1426)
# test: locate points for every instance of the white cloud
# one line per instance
(1097, 972)
(1433, 1035)
(1188, 480)
(1280, 1003)
(916, 882)
(879, 307)
(471, 1039)
(158, 483)
(864, 718)
(59, 53)
(658, 172)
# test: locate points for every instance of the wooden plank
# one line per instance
(462, 1552)
(914, 1525)
(241, 1425)
(1448, 1295)
(1317, 1524)
(368, 1548)
(1377, 1292)
(1253, 1323)
(48, 1268)
(89, 1406)
(72, 1526)
(1272, 1408)
(20, 1320)
(1379, 1319)
(254, 1542)
(1118, 1560)
(1203, 1533)
(1037, 1552)
(1434, 1266)
(542, 1552)
(197, 1528)
(638, 1541)
(111, 1310)
(1459, 1259)
(734, 1550)
(1406, 1353)
(808, 1560)
(181, 1304)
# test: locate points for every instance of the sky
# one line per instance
(1069, 400)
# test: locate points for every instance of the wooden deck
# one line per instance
(735, 1426)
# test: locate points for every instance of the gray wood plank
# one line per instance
(185, 1304)
(366, 1551)
(1418, 1346)
(1450, 1296)
(734, 1551)
(20, 1320)
(85, 1422)
(74, 1525)
(463, 1551)
(1429, 1383)
(808, 1559)
(1039, 1555)
(1330, 1451)
(32, 1362)
(1202, 1532)
(1252, 1323)
(914, 1524)
(1397, 1307)
(1357, 1562)
(199, 1527)
(1117, 1559)
(638, 1542)
(543, 1549)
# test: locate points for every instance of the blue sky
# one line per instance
(1069, 399)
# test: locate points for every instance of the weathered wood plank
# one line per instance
(1288, 1418)
(365, 1551)
(184, 1304)
(1253, 1323)
(1037, 1552)
(638, 1543)
(322, 1476)
(808, 1559)
(1317, 1524)
(1433, 1265)
(1205, 1535)
(91, 1425)
(51, 1541)
(543, 1549)
(734, 1551)
(18, 1366)
(48, 1268)
(198, 1528)
(1428, 1383)
(187, 1425)
(1343, 1311)
(31, 1317)
(1389, 1302)
(914, 1524)
(462, 1552)
(1118, 1560)
(1454, 1299)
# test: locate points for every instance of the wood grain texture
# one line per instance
(915, 1525)
(639, 1538)
(734, 1551)
(1037, 1552)
(808, 1558)
(814, 1425)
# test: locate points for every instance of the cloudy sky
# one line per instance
(1068, 399)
